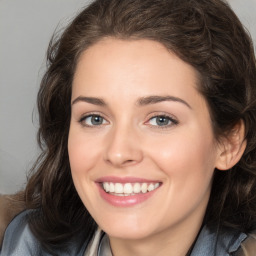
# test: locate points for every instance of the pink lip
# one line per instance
(115, 179)
(124, 201)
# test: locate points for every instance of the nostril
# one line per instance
(129, 161)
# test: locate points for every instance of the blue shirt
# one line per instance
(19, 241)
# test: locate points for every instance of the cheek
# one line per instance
(83, 155)
(83, 152)
(188, 165)
(185, 158)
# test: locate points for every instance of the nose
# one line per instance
(123, 147)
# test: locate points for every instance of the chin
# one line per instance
(127, 229)
(128, 234)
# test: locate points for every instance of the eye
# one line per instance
(162, 121)
(93, 120)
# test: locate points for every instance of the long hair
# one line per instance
(205, 34)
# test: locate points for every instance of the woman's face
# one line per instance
(141, 146)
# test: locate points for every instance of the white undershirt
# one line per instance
(99, 245)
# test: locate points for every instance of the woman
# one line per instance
(147, 126)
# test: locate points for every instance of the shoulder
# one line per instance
(10, 206)
(248, 246)
(219, 241)
(18, 238)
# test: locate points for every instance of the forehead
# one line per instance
(134, 67)
(130, 62)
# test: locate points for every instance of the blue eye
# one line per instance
(93, 120)
(162, 121)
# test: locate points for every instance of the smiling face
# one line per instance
(139, 124)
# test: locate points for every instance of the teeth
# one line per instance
(119, 189)
(128, 189)
(136, 188)
(144, 188)
(111, 187)
(151, 187)
(106, 186)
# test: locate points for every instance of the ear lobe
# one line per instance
(231, 148)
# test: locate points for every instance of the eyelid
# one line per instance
(172, 118)
(86, 115)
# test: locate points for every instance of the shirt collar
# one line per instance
(222, 242)
(99, 245)
(217, 242)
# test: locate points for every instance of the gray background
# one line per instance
(26, 27)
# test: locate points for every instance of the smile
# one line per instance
(128, 189)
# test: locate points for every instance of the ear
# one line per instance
(231, 147)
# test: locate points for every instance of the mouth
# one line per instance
(128, 189)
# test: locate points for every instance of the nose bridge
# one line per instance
(123, 147)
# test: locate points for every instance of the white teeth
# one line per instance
(111, 187)
(119, 188)
(144, 188)
(106, 186)
(136, 188)
(127, 189)
(151, 187)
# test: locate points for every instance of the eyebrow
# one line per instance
(157, 99)
(92, 100)
(148, 100)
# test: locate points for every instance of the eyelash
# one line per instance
(82, 120)
(171, 121)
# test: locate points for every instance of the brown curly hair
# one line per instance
(204, 33)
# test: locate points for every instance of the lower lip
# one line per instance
(125, 201)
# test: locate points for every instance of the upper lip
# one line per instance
(116, 179)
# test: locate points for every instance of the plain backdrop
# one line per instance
(26, 27)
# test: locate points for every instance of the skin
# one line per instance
(182, 155)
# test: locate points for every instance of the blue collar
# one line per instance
(209, 242)
(217, 243)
